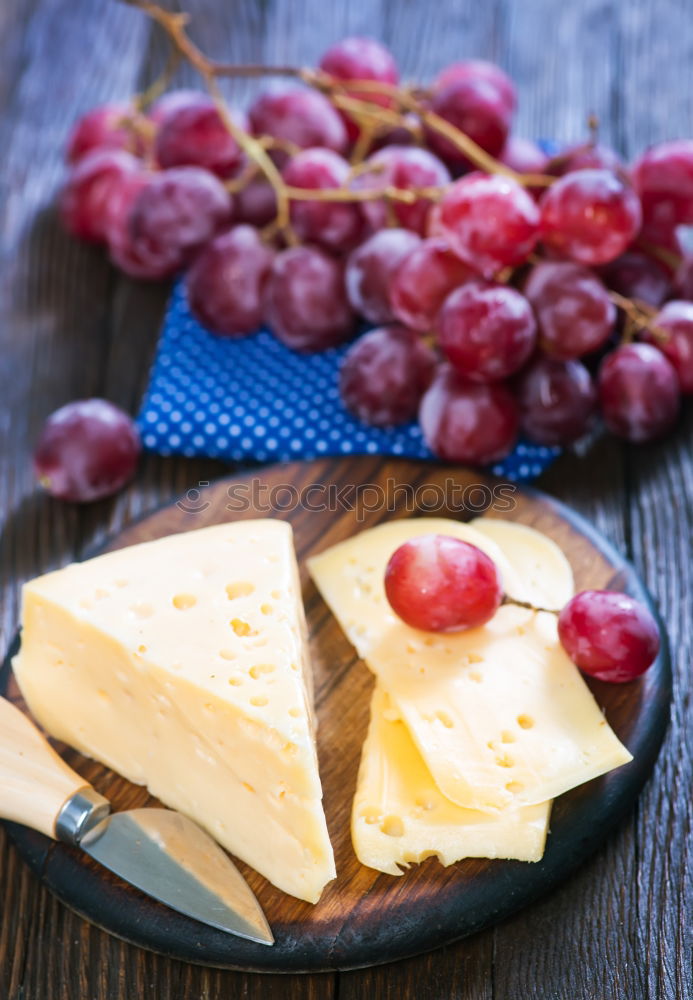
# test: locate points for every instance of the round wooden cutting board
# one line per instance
(365, 917)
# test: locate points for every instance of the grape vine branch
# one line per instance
(371, 118)
(406, 110)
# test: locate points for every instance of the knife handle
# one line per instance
(35, 783)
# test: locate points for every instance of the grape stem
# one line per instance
(372, 119)
(639, 316)
(530, 607)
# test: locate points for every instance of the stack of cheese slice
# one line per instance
(182, 664)
(472, 733)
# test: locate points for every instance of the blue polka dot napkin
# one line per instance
(256, 400)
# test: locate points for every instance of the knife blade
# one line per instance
(159, 851)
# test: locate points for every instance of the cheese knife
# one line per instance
(159, 851)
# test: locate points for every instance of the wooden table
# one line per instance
(72, 327)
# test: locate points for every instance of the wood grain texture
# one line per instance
(622, 926)
(366, 918)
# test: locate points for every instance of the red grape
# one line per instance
(609, 635)
(474, 106)
(663, 177)
(639, 392)
(87, 450)
(174, 214)
(384, 375)
(334, 225)
(304, 118)
(557, 401)
(226, 281)
(479, 69)
(469, 422)
(172, 101)
(422, 282)
(256, 203)
(403, 167)
(524, 156)
(683, 280)
(195, 135)
(305, 304)
(637, 276)
(371, 269)
(675, 321)
(90, 187)
(486, 331)
(490, 222)
(109, 126)
(361, 59)
(586, 156)
(405, 134)
(573, 309)
(442, 584)
(590, 215)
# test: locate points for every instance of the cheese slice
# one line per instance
(399, 815)
(182, 664)
(500, 715)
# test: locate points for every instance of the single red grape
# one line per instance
(384, 375)
(304, 118)
(405, 134)
(256, 203)
(639, 392)
(226, 281)
(609, 635)
(486, 331)
(674, 338)
(87, 450)
(370, 271)
(175, 214)
(195, 135)
(172, 101)
(403, 167)
(442, 584)
(305, 304)
(663, 177)
(585, 156)
(637, 276)
(523, 156)
(476, 107)
(479, 69)
(334, 225)
(109, 126)
(573, 309)
(557, 401)
(590, 215)
(422, 282)
(361, 59)
(90, 187)
(490, 222)
(470, 422)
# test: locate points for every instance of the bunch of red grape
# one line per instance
(500, 303)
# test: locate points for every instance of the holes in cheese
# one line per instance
(195, 748)
(399, 816)
(183, 602)
(520, 683)
(241, 588)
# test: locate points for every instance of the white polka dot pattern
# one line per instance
(254, 399)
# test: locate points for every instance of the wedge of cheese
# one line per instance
(399, 816)
(500, 715)
(182, 664)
